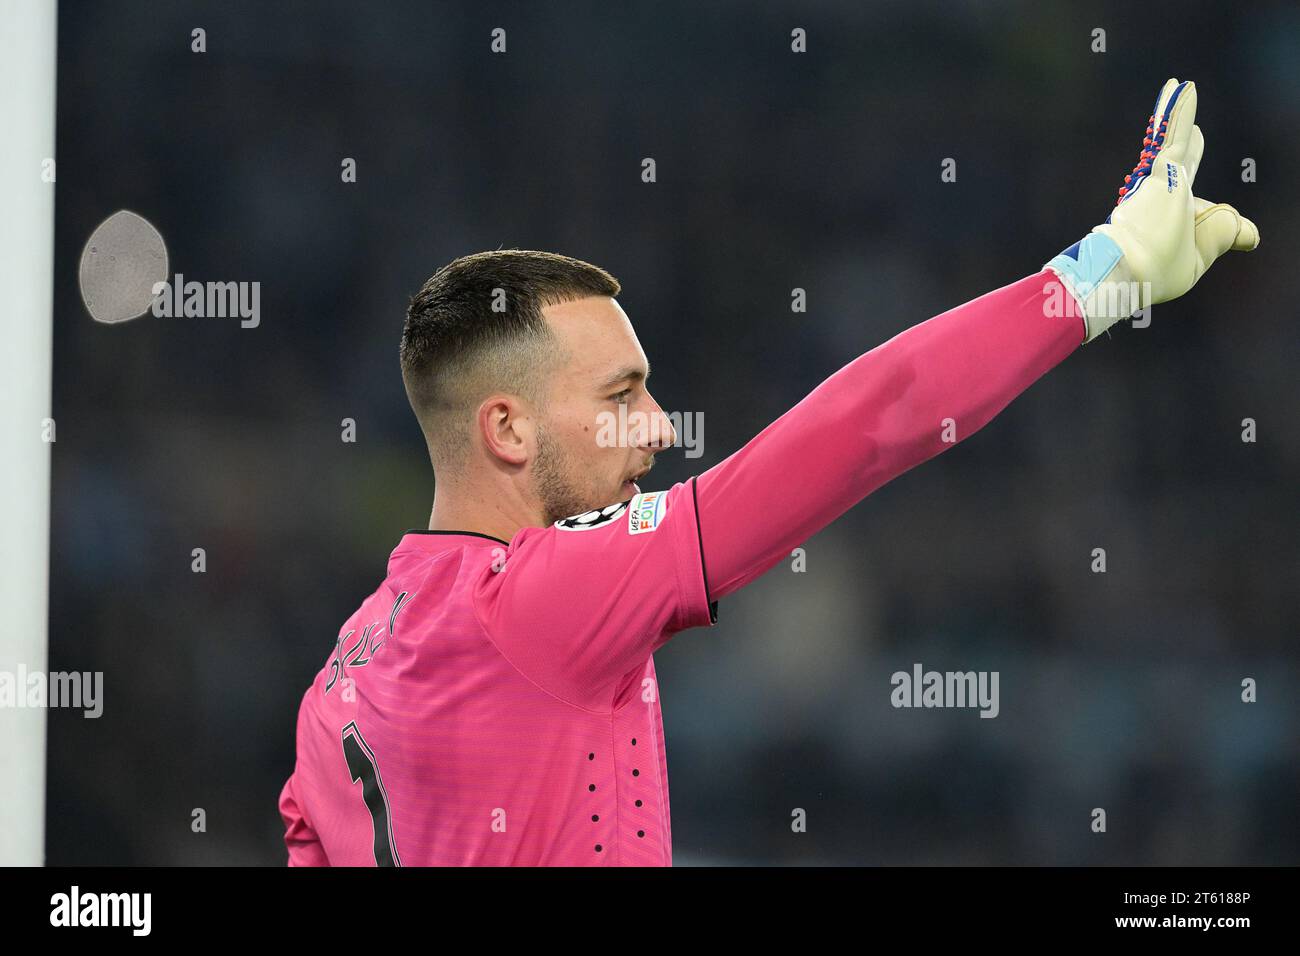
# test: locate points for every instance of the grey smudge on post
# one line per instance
(123, 259)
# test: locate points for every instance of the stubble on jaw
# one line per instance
(556, 482)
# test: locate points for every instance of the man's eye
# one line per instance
(621, 397)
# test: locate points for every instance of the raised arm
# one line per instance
(887, 411)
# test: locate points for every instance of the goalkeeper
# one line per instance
(492, 701)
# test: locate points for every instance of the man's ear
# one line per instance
(507, 429)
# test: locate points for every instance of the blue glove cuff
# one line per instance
(1088, 262)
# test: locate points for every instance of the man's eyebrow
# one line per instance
(628, 373)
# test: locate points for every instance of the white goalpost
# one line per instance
(27, 74)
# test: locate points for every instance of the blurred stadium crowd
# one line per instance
(775, 170)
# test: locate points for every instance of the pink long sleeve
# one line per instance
(880, 415)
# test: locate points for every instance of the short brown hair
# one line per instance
(477, 325)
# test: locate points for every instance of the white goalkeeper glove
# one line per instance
(1160, 238)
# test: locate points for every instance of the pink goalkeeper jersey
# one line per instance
(496, 704)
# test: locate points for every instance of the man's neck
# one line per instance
(495, 518)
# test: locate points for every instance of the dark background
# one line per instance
(822, 171)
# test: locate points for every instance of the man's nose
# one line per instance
(661, 434)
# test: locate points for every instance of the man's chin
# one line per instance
(628, 490)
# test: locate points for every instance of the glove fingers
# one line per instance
(1180, 117)
(1219, 228)
(1162, 99)
(1192, 161)
(1247, 234)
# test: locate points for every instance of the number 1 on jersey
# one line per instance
(364, 770)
